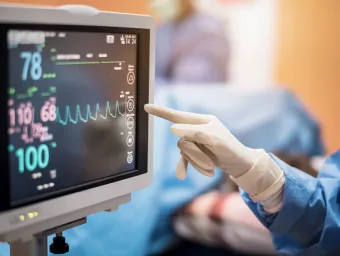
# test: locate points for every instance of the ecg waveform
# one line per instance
(79, 118)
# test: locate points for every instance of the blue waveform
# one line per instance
(79, 118)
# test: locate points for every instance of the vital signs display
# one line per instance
(72, 108)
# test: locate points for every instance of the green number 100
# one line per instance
(31, 158)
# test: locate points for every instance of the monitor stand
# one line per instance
(38, 246)
(35, 244)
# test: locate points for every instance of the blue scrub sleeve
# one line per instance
(309, 220)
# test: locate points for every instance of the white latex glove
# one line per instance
(206, 143)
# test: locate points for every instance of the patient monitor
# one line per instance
(75, 138)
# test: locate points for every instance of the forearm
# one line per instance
(308, 218)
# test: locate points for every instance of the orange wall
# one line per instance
(135, 6)
(309, 59)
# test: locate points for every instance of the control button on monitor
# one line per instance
(130, 122)
(130, 105)
(130, 140)
(129, 158)
(131, 78)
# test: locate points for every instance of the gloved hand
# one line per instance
(206, 143)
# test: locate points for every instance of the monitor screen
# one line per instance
(71, 108)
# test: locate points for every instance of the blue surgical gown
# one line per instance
(309, 221)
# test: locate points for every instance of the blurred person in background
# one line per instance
(191, 46)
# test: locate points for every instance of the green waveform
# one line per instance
(77, 62)
(78, 117)
(85, 62)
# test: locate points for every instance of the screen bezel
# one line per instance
(143, 80)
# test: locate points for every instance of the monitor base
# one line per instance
(36, 243)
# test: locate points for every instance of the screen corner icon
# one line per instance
(110, 39)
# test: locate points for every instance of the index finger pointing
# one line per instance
(176, 116)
